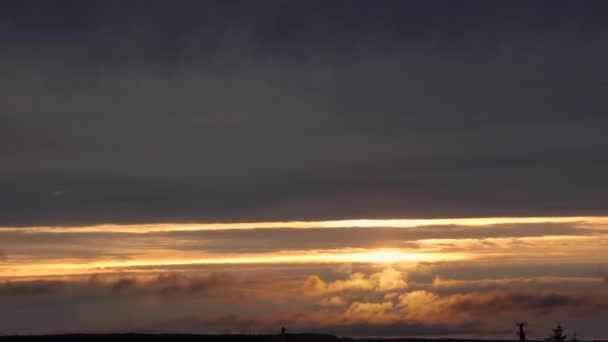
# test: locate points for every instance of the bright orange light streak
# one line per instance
(355, 223)
(374, 256)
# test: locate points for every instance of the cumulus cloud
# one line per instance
(388, 279)
(385, 280)
(386, 297)
(419, 304)
(333, 301)
(313, 285)
(356, 281)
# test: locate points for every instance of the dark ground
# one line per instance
(218, 338)
(236, 338)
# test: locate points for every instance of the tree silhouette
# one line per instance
(521, 333)
(558, 334)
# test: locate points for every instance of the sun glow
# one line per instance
(334, 256)
(121, 252)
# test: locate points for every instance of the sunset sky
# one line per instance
(358, 168)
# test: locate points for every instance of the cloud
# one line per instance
(217, 285)
(30, 288)
(333, 301)
(518, 301)
(388, 279)
(346, 268)
(419, 312)
(385, 280)
(386, 297)
(444, 286)
(353, 308)
(314, 285)
(175, 284)
(394, 134)
(419, 304)
(358, 285)
(356, 281)
(238, 111)
(172, 285)
(168, 284)
(368, 311)
(425, 306)
(287, 239)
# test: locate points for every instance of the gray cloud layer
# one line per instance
(287, 110)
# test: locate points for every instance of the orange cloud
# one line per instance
(368, 311)
(313, 285)
(333, 301)
(386, 280)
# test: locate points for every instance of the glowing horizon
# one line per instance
(359, 274)
(378, 256)
(343, 224)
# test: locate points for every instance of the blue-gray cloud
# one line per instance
(285, 110)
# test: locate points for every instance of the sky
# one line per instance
(390, 168)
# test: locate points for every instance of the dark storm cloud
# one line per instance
(147, 112)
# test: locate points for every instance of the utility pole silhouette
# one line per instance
(521, 332)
